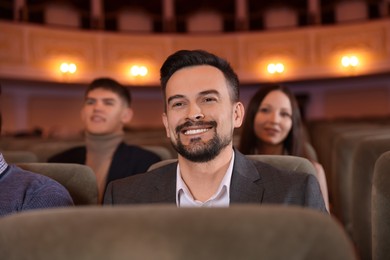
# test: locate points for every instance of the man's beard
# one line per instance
(198, 150)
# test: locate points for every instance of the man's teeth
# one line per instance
(97, 118)
(195, 131)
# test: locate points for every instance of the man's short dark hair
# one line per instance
(112, 85)
(187, 58)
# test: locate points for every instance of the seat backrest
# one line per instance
(350, 11)
(78, 179)
(45, 150)
(168, 232)
(205, 21)
(282, 162)
(380, 208)
(161, 163)
(135, 20)
(280, 17)
(342, 163)
(160, 150)
(365, 156)
(286, 162)
(61, 13)
(19, 156)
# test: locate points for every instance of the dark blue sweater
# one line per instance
(23, 190)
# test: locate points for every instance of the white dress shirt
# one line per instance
(3, 164)
(221, 198)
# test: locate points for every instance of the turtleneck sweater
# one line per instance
(100, 151)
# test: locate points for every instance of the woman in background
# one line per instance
(273, 125)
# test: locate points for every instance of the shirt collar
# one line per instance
(3, 164)
(221, 198)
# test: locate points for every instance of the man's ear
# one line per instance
(238, 114)
(165, 122)
(127, 115)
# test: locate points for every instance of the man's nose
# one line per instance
(198, 116)
(195, 113)
(97, 106)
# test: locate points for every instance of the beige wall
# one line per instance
(372, 101)
(57, 106)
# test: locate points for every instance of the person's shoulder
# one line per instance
(30, 178)
(156, 174)
(34, 182)
(30, 190)
(289, 186)
(72, 155)
(161, 174)
(142, 188)
(268, 171)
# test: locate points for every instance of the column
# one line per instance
(97, 14)
(242, 15)
(20, 10)
(314, 11)
(385, 8)
(169, 20)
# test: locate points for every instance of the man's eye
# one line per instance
(209, 99)
(177, 104)
(89, 102)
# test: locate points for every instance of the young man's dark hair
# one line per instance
(113, 86)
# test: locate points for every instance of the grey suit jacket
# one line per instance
(252, 182)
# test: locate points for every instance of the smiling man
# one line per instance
(202, 109)
(105, 112)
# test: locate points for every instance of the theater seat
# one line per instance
(205, 21)
(161, 151)
(167, 232)
(286, 162)
(19, 156)
(280, 17)
(380, 208)
(365, 156)
(78, 179)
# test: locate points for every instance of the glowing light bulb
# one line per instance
(345, 61)
(68, 68)
(279, 68)
(143, 71)
(72, 68)
(354, 61)
(271, 68)
(138, 71)
(64, 67)
(349, 61)
(134, 70)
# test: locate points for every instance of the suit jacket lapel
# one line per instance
(165, 184)
(245, 186)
